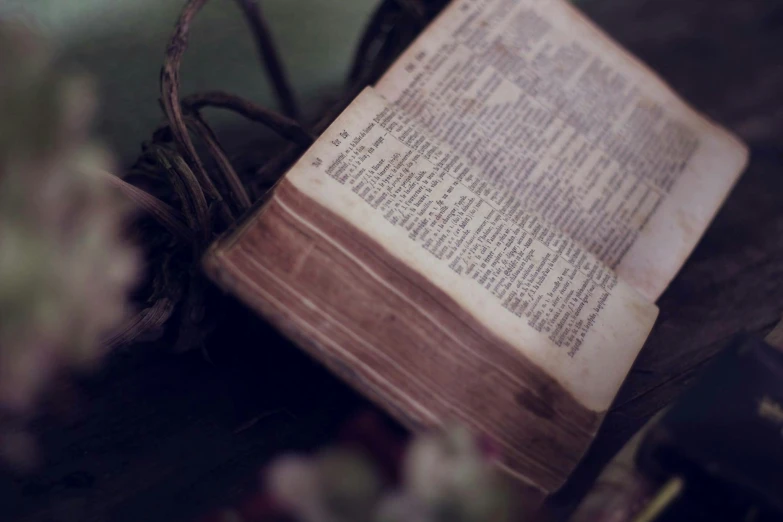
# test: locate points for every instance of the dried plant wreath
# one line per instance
(185, 182)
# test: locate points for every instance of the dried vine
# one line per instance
(285, 127)
(269, 57)
(195, 193)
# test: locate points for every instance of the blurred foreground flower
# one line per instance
(65, 268)
(444, 477)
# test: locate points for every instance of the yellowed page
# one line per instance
(531, 285)
(561, 121)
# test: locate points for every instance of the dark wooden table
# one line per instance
(163, 437)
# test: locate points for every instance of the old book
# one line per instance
(482, 236)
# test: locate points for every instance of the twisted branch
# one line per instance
(186, 185)
(269, 57)
(374, 35)
(285, 127)
(148, 320)
(169, 218)
(236, 191)
(169, 87)
(415, 9)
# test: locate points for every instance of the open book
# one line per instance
(482, 236)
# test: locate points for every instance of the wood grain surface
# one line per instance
(159, 436)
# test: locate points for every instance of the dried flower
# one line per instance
(65, 268)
